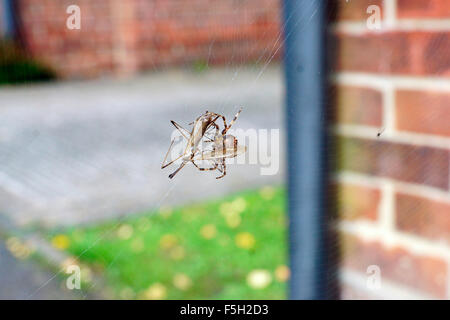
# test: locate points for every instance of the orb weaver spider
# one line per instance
(223, 145)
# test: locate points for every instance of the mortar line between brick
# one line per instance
(416, 245)
(386, 210)
(388, 110)
(388, 290)
(379, 81)
(404, 25)
(402, 187)
(390, 13)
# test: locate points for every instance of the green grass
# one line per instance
(200, 251)
(24, 71)
(16, 67)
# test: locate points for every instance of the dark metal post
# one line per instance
(8, 18)
(305, 81)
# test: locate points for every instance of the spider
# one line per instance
(223, 145)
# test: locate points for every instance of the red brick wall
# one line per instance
(394, 189)
(125, 36)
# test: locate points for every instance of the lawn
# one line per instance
(18, 67)
(232, 248)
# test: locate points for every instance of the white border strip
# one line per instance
(406, 25)
(435, 84)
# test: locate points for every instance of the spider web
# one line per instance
(265, 58)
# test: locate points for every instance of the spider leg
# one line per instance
(186, 134)
(220, 168)
(224, 167)
(205, 169)
(216, 134)
(183, 164)
(208, 134)
(224, 131)
(176, 171)
(163, 165)
(224, 121)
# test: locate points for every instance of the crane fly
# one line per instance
(222, 145)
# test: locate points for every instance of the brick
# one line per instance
(436, 60)
(356, 105)
(398, 265)
(423, 112)
(403, 162)
(423, 217)
(134, 35)
(342, 10)
(399, 53)
(357, 202)
(420, 9)
(349, 292)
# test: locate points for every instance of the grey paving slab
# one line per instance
(79, 152)
(24, 279)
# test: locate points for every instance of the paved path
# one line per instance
(74, 153)
(23, 279)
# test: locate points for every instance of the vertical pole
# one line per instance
(305, 27)
(8, 18)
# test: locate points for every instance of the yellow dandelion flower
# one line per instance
(19, 249)
(12, 244)
(282, 273)
(165, 211)
(182, 281)
(245, 240)
(125, 232)
(208, 231)
(177, 253)
(233, 220)
(137, 245)
(61, 241)
(168, 241)
(68, 262)
(239, 204)
(226, 208)
(23, 252)
(267, 193)
(156, 291)
(259, 279)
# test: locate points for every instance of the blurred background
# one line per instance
(87, 92)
